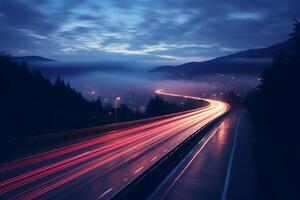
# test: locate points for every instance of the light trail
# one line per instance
(103, 161)
(71, 148)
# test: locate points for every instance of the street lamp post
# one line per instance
(183, 102)
(116, 108)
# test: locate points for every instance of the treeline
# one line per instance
(274, 107)
(159, 106)
(31, 105)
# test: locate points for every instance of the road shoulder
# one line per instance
(222, 167)
(244, 181)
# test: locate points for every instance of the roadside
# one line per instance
(244, 176)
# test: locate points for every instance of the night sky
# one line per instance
(162, 31)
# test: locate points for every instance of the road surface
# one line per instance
(221, 166)
(100, 167)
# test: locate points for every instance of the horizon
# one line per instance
(149, 32)
(146, 65)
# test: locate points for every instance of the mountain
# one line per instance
(31, 59)
(251, 61)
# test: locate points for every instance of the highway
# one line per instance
(98, 168)
(221, 166)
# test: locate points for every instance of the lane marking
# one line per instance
(165, 150)
(105, 193)
(225, 190)
(154, 158)
(139, 169)
(190, 162)
(125, 179)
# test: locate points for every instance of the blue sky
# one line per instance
(153, 32)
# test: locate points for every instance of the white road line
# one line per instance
(154, 158)
(139, 169)
(224, 194)
(165, 150)
(125, 179)
(105, 193)
(190, 162)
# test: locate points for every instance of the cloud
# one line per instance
(143, 29)
(183, 59)
(227, 49)
(17, 15)
(244, 16)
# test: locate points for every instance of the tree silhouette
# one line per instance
(30, 104)
(274, 107)
(233, 98)
(158, 106)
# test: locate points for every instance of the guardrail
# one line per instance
(146, 183)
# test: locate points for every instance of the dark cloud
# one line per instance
(21, 15)
(18, 13)
(141, 29)
(14, 40)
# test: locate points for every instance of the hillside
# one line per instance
(30, 104)
(251, 61)
(31, 59)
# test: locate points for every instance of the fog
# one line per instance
(135, 86)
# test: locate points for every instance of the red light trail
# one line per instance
(104, 164)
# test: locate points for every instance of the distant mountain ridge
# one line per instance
(32, 59)
(251, 61)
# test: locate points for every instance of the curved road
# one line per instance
(98, 168)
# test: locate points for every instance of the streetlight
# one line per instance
(116, 108)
